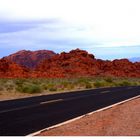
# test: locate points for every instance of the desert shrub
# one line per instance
(109, 80)
(3, 81)
(125, 83)
(36, 81)
(29, 89)
(88, 85)
(53, 89)
(70, 86)
(64, 84)
(19, 82)
(134, 83)
(44, 86)
(138, 83)
(115, 84)
(9, 87)
(82, 80)
(50, 85)
(98, 84)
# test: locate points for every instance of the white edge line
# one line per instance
(66, 122)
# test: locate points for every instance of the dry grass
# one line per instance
(17, 88)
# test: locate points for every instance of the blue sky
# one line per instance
(109, 29)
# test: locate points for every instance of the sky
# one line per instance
(109, 29)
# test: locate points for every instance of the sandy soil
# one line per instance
(121, 120)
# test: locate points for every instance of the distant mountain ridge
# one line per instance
(76, 63)
(30, 59)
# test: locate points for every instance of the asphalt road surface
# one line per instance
(21, 117)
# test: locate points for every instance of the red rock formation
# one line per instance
(10, 69)
(79, 63)
(119, 68)
(76, 63)
(30, 59)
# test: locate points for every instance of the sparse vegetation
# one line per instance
(58, 85)
(29, 89)
(88, 85)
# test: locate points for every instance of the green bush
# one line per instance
(53, 89)
(44, 86)
(125, 83)
(88, 85)
(82, 80)
(109, 80)
(65, 84)
(29, 89)
(70, 86)
(39, 85)
(20, 82)
(98, 84)
(134, 84)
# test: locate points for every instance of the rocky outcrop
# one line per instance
(79, 63)
(10, 69)
(30, 59)
(72, 64)
(76, 63)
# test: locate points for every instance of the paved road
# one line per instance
(21, 117)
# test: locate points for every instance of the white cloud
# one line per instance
(96, 23)
(108, 19)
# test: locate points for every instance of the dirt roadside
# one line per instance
(121, 120)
